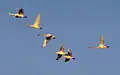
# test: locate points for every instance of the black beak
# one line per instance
(25, 17)
(41, 28)
(54, 38)
(73, 58)
(107, 46)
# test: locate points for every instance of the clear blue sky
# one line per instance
(75, 23)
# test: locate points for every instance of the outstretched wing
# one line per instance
(102, 40)
(66, 60)
(61, 48)
(45, 43)
(37, 21)
(69, 52)
(58, 56)
(20, 11)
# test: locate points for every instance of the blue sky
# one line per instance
(76, 23)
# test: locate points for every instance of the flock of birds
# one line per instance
(61, 53)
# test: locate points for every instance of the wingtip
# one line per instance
(92, 47)
(43, 46)
(89, 47)
(56, 52)
(102, 36)
(62, 44)
(10, 14)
